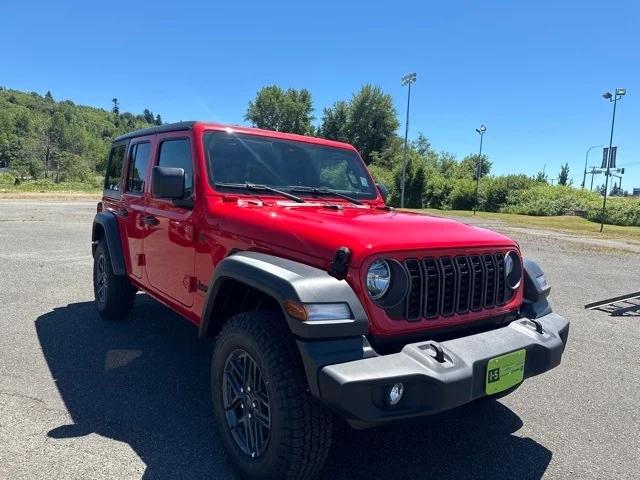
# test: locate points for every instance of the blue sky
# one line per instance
(532, 72)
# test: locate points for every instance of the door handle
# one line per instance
(150, 220)
(123, 212)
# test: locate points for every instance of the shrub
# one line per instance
(7, 179)
(620, 211)
(495, 191)
(436, 192)
(545, 200)
(463, 195)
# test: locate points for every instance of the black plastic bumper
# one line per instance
(357, 389)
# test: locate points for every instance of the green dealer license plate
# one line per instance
(505, 371)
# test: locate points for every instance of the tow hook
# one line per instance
(434, 350)
(537, 325)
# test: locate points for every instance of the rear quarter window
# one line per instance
(113, 176)
(138, 166)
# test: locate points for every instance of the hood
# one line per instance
(318, 229)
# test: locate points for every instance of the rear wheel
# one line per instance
(269, 423)
(114, 294)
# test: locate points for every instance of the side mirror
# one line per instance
(167, 182)
(383, 191)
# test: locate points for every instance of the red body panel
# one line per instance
(183, 249)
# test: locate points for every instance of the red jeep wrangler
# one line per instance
(323, 301)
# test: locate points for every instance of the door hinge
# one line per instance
(141, 260)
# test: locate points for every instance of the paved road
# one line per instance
(81, 398)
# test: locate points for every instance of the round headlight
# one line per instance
(378, 279)
(512, 270)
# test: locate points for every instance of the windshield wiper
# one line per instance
(259, 187)
(324, 191)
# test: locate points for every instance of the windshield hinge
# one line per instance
(340, 263)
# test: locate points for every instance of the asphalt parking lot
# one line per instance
(84, 398)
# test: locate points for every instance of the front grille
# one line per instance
(444, 286)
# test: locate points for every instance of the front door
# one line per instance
(169, 245)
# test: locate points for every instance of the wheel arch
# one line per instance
(105, 227)
(268, 281)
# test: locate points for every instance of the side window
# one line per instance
(138, 165)
(177, 154)
(114, 169)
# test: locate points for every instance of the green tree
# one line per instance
(469, 165)
(148, 116)
(391, 156)
(616, 191)
(367, 121)
(334, 122)
(563, 176)
(48, 97)
(158, 120)
(116, 106)
(283, 111)
(541, 177)
(422, 145)
(372, 121)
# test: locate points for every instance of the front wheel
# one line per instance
(269, 423)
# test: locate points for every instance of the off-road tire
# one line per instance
(116, 301)
(301, 428)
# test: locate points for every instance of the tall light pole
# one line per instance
(619, 93)
(586, 159)
(480, 131)
(406, 80)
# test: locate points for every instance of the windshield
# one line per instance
(248, 159)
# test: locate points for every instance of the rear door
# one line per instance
(133, 201)
(169, 243)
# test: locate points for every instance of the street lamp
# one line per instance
(480, 131)
(406, 80)
(619, 93)
(586, 158)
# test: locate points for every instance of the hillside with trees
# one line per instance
(42, 139)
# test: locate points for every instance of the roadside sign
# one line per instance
(611, 158)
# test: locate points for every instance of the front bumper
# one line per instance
(357, 389)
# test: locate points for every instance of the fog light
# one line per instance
(395, 394)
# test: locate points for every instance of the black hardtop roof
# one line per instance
(167, 127)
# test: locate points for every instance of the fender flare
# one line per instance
(284, 279)
(536, 291)
(109, 225)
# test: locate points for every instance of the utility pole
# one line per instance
(406, 80)
(480, 131)
(619, 93)
(586, 159)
